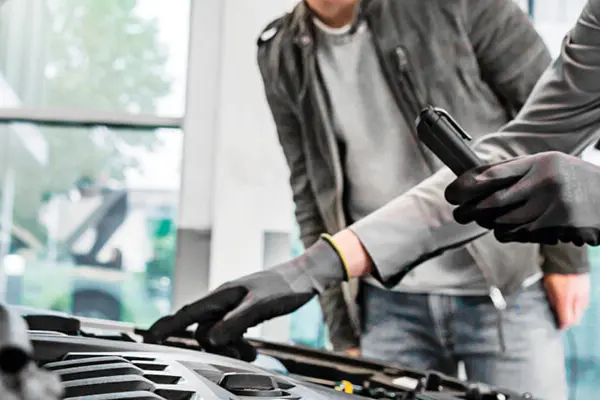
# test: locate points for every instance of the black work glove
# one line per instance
(224, 315)
(543, 198)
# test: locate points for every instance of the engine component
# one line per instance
(20, 377)
(116, 364)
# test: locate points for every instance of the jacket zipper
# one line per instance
(405, 93)
(416, 102)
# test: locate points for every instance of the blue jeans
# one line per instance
(437, 332)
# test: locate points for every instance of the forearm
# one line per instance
(367, 252)
(561, 114)
(409, 230)
(358, 261)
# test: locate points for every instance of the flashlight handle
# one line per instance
(446, 139)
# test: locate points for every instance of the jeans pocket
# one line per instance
(532, 303)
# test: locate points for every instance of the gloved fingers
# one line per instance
(235, 324)
(503, 236)
(590, 236)
(552, 235)
(507, 235)
(246, 351)
(203, 329)
(484, 181)
(462, 214)
(523, 213)
(212, 307)
(162, 328)
(465, 187)
(577, 236)
(239, 348)
(513, 206)
(524, 234)
(485, 210)
(485, 217)
(511, 193)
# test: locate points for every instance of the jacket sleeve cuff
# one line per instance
(394, 237)
(565, 258)
(411, 229)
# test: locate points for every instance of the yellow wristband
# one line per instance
(329, 239)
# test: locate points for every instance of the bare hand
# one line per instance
(569, 296)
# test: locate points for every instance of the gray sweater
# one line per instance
(381, 158)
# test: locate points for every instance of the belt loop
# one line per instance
(500, 305)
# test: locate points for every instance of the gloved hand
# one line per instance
(224, 315)
(543, 198)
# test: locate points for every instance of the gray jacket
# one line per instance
(478, 59)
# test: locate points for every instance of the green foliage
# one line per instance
(102, 56)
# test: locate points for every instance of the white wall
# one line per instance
(251, 193)
(234, 173)
(554, 18)
(230, 138)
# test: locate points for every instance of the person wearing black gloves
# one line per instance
(548, 197)
(344, 80)
(562, 113)
(225, 314)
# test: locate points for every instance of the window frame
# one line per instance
(198, 125)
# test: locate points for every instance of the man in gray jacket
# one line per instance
(344, 87)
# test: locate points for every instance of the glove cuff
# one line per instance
(329, 239)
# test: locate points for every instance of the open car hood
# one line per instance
(102, 360)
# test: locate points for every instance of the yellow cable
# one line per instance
(333, 244)
(344, 386)
(348, 387)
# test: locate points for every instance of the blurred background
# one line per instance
(139, 166)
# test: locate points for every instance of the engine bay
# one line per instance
(99, 360)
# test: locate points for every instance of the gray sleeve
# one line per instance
(510, 52)
(562, 113)
(565, 258)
